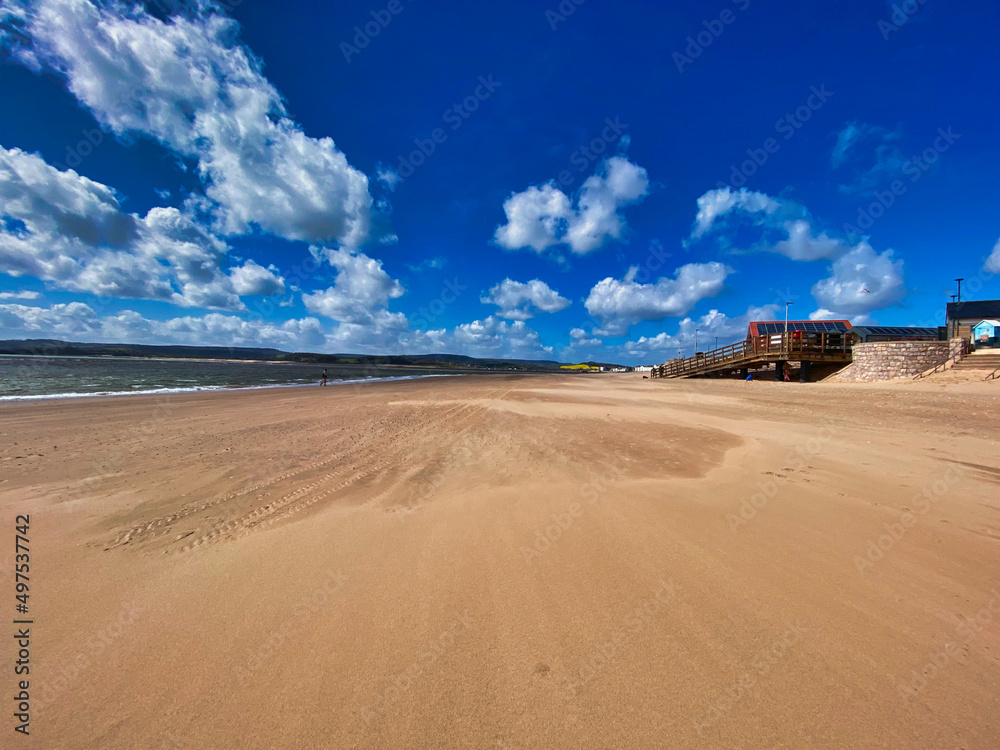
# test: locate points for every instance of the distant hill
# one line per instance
(55, 348)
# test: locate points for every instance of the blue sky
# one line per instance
(565, 181)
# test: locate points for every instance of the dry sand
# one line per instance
(368, 567)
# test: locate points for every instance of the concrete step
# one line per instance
(978, 364)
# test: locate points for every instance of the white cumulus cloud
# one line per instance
(716, 204)
(68, 230)
(19, 295)
(580, 339)
(861, 279)
(772, 215)
(72, 320)
(252, 278)
(520, 301)
(358, 301)
(860, 282)
(618, 304)
(544, 216)
(190, 85)
(498, 338)
(77, 321)
(992, 264)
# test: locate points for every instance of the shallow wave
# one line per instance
(195, 389)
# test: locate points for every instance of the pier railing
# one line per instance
(758, 350)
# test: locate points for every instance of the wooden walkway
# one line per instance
(758, 351)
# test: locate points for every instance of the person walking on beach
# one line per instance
(323, 381)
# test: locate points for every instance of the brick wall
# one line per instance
(887, 360)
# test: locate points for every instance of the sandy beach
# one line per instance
(511, 562)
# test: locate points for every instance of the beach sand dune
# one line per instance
(512, 562)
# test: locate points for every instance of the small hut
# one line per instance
(984, 333)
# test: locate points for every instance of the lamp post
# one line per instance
(958, 313)
(696, 342)
(785, 337)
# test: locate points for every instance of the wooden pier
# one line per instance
(758, 351)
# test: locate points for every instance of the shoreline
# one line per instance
(217, 388)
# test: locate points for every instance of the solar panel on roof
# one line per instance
(895, 332)
(810, 326)
(898, 331)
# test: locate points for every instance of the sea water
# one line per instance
(30, 377)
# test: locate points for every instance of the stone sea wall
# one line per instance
(888, 360)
